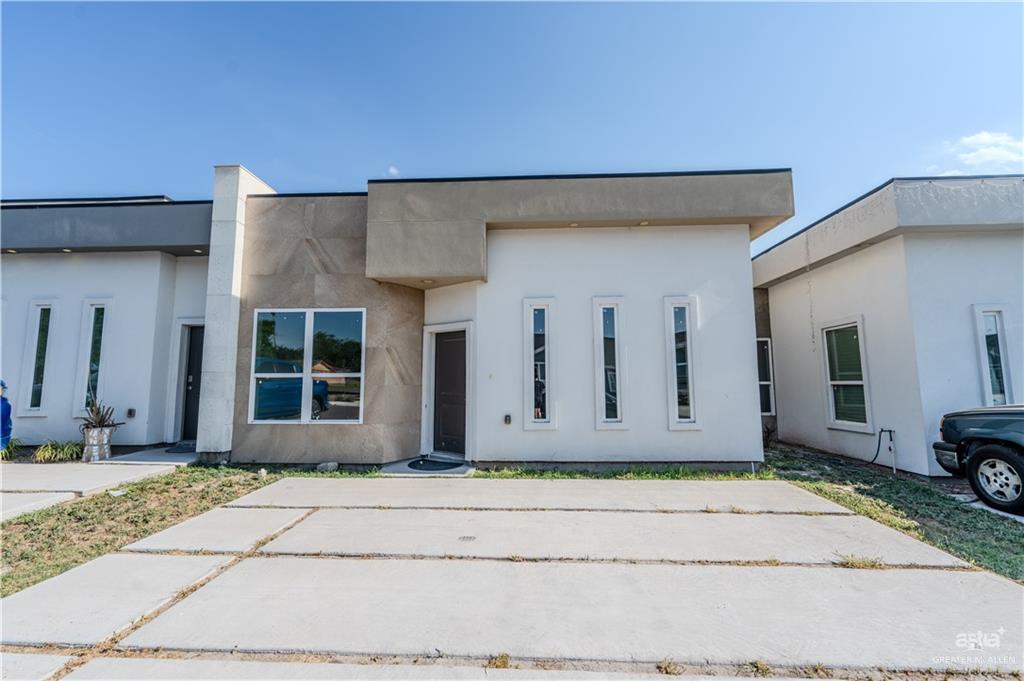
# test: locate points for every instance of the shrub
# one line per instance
(54, 451)
(13, 445)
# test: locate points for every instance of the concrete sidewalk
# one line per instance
(28, 487)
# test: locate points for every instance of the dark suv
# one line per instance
(986, 446)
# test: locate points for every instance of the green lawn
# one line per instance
(45, 543)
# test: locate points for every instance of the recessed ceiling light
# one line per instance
(66, 250)
(644, 223)
(574, 224)
(428, 281)
(197, 250)
(11, 250)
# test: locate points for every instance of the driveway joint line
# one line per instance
(701, 666)
(112, 642)
(337, 555)
(725, 510)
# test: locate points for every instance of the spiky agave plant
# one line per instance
(97, 415)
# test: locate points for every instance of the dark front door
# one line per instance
(450, 392)
(193, 372)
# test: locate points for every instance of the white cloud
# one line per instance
(986, 152)
(393, 171)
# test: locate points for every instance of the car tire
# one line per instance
(996, 474)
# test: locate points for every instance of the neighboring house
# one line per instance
(901, 306)
(547, 319)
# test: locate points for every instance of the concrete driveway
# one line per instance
(334, 578)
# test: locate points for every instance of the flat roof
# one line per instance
(580, 176)
(925, 178)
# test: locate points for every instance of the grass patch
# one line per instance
(908, 504)
(55, 451)
(500, 661)
(760, 668)
(669, 667)
(854, 562)
(44, 543)
(638, 473)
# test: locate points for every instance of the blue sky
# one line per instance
(141, 98)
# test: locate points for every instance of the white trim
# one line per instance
(830, 419)
(305, 413)
(176, 368)
(35, 308)
(689, 303)
(84, 348)
(599, 303)
(529, 422)
(427, 394)
(771, 378)
(979, 311)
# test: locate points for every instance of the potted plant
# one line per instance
(97, 426)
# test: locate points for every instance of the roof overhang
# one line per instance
(176, 227)
(429, 233)
(898, 207)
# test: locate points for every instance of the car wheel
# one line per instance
(996, 474)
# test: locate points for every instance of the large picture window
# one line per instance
(609, 369)
(308, 366)
(539, 382)
(847, 385)
(995, 376)
(679, 328)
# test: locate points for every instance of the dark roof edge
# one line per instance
(877, 189)
(584, 176)
(302, 194)
(163, 198)
(93, 204)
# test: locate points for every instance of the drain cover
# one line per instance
(431, 465)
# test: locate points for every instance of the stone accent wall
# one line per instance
(309, 252)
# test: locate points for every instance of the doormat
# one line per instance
(431, 465)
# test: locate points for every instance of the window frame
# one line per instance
(771, 377)
(35, 307)
(599, 303)
(306, 376)
(999, 310)
(831, 421)
(89, 305)
(689, 303)
(529, 422)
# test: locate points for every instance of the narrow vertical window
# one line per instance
(995, 358)
(679, 362)
(540, 365)
(538, 383)
(995, 376)
(39, 361)
(609, 369)
(844, 364)
(765, 376)
(95, 347)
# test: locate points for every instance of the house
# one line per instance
(570, 319)
(899, 307)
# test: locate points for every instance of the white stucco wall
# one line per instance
(142, 292)
(870, 283)
(948, 275)
(643, 265)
